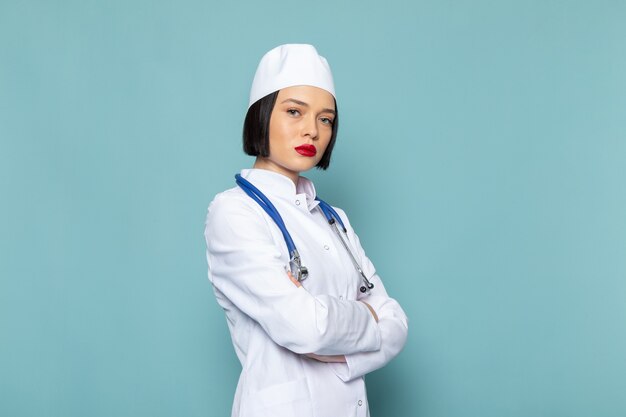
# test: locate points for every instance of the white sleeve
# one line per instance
(392, 321)
(245, 265)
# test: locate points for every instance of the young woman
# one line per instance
(307, 313)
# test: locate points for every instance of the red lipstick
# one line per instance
(306, 150)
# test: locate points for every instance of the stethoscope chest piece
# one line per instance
(299, 271)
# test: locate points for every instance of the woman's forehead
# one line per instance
(312, 96)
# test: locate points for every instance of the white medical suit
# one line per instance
(273, 323)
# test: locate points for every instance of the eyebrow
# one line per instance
(302, 103)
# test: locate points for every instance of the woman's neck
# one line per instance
(264, 163)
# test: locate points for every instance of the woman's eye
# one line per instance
(327, 121)
(293, 112)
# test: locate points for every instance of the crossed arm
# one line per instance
(330, 358)
(355, 336)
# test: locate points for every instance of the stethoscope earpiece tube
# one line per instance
(298, 271)
(331, 216)
(269, 208)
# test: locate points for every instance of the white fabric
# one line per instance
(290, 65)
(273, 323)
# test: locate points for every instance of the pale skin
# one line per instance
(302, 115)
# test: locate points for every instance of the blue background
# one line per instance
(481, 158)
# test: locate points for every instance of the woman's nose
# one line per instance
(310, 127)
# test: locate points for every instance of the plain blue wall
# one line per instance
(481, 157)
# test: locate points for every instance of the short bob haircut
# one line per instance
(256, 130)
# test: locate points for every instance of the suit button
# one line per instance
(360, 403)
(326, 247)
(297, 202)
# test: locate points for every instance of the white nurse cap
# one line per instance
(290, 65)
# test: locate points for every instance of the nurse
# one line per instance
(305, 345)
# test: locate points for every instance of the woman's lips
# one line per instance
(306, 150)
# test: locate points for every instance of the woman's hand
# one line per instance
(295, 281)
(327, 358)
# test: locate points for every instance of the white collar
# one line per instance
(277, 185)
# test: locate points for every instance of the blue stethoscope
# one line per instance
(298, 270)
